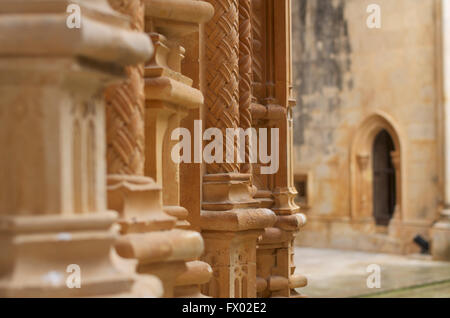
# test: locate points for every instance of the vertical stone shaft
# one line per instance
(53, 216)
(272, 87)
(258, 44)
(169, 96)
(441, 229)
(125, 107)
(222, 74)
(230, 219)
(245, 72)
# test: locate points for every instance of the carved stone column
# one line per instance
(230, 218)
(273, 109)
(169, 96)
(142, 109)
(53, 197)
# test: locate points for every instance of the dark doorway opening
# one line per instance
(384, 191)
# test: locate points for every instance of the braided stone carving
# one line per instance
(125, 107)
(222, 74)
(257, 34)
(245, 71)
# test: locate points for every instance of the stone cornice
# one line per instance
(180, 10)
(102, 35)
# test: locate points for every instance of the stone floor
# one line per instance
(339, 273)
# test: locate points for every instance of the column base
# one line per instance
(41, 254)
(231, 222)
(440, 233)
(153, 235)
(233, 259)
(188, 283)
(228, 191)
(162, 253)
(167, 272)
(275, 266)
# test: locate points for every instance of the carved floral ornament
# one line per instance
(363, 161)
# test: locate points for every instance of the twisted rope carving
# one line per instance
(245, 72)
(222, 74)
(257, 31)
(125, 107)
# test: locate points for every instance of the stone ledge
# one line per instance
(237, 220)
(94, 39)
(160, 246)
(57, 223)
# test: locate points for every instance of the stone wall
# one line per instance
(344, 72)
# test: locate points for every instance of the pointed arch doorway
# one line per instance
(384, 183)
(377, 168)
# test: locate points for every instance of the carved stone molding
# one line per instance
(53, 208)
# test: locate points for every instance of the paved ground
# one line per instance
(337, 273)
(434, 290)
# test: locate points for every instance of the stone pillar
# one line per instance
(276, 247)
(395, 157)
(230, 218)
(153, 232)
(53, 215)
(168, 249)
(125, 134)
(440, 247)
(363, 161)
